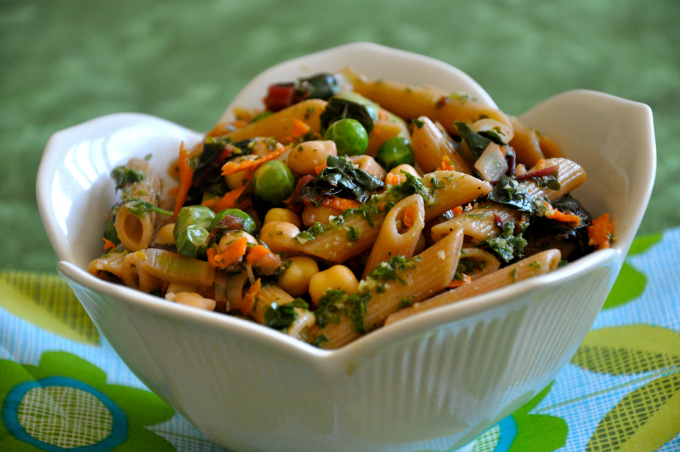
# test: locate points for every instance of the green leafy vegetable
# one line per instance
(507, 245)
(338, 108)
(511, 193)
(124, 176)
(335, 303)
(138, 207)
(280, 316)
(475, 142)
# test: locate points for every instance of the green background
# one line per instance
(64, 62)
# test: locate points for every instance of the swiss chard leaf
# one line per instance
(511, 193)
(338, 108)
(280, 316)
(341, 178)
(475, 142)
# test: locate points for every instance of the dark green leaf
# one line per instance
(475, 142)
(124, 176)
(338, 108)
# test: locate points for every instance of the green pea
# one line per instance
(193, 215)
(349, 136)
(110, 231)
(190, 242)
(273, 183)
(394, 152)
(246, 220)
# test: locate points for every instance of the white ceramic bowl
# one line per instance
(448, 373)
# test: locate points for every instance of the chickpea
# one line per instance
(165, 235)
(280, 214)
(369, 164)
(230, 237)
(279, 236)
(336, 277)
(295, 280)
(262, 146)
(304, 157)
(322, 214)
(235, 180)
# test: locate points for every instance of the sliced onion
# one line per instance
(491, 165)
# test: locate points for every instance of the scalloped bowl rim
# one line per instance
(364, 345)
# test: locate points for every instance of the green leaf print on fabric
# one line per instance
(648, 417)
(643, 421)
(65, 403)
(538, 432)
(630, 349)
(631, 283)
(46, 301)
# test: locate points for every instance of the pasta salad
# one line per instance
(347, 204)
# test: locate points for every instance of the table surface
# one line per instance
(62, 63)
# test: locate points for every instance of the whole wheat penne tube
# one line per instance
(280, 124)
(535, 265)
(420, 278)
(483, 262)
(271, 294)
(339, 242)
(430, 147)
(408, 102)
(479, 223)
(525, 143)
(393, 242)
(135, 230)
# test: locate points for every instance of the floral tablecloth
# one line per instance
(62, 387)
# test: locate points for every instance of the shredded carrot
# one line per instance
(392, 179)
(235, 167)
(556, 215)
(256, 253)
(186, 174)
(248, 301)
(341, 203)
(457, 282)
(457, 211)
(446, 164)
(382, 206)
(383, 115)
(409, 215)
(600, 233)
(224, 128)
(230, 198)
(299, 128)
(108, 244)
(230, 254)
(319, 168)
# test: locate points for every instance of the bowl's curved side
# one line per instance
(451, 380)
(74, 190)
(372, 60)
(613, 139)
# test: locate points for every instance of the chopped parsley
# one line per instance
(507, 245)
(138, 207)
(124, 176)
(335, 302)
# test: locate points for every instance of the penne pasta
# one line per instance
(431, 146)
(409, 219)
(135, 227)
(390, 287)
(535, 265)
(392, 241)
